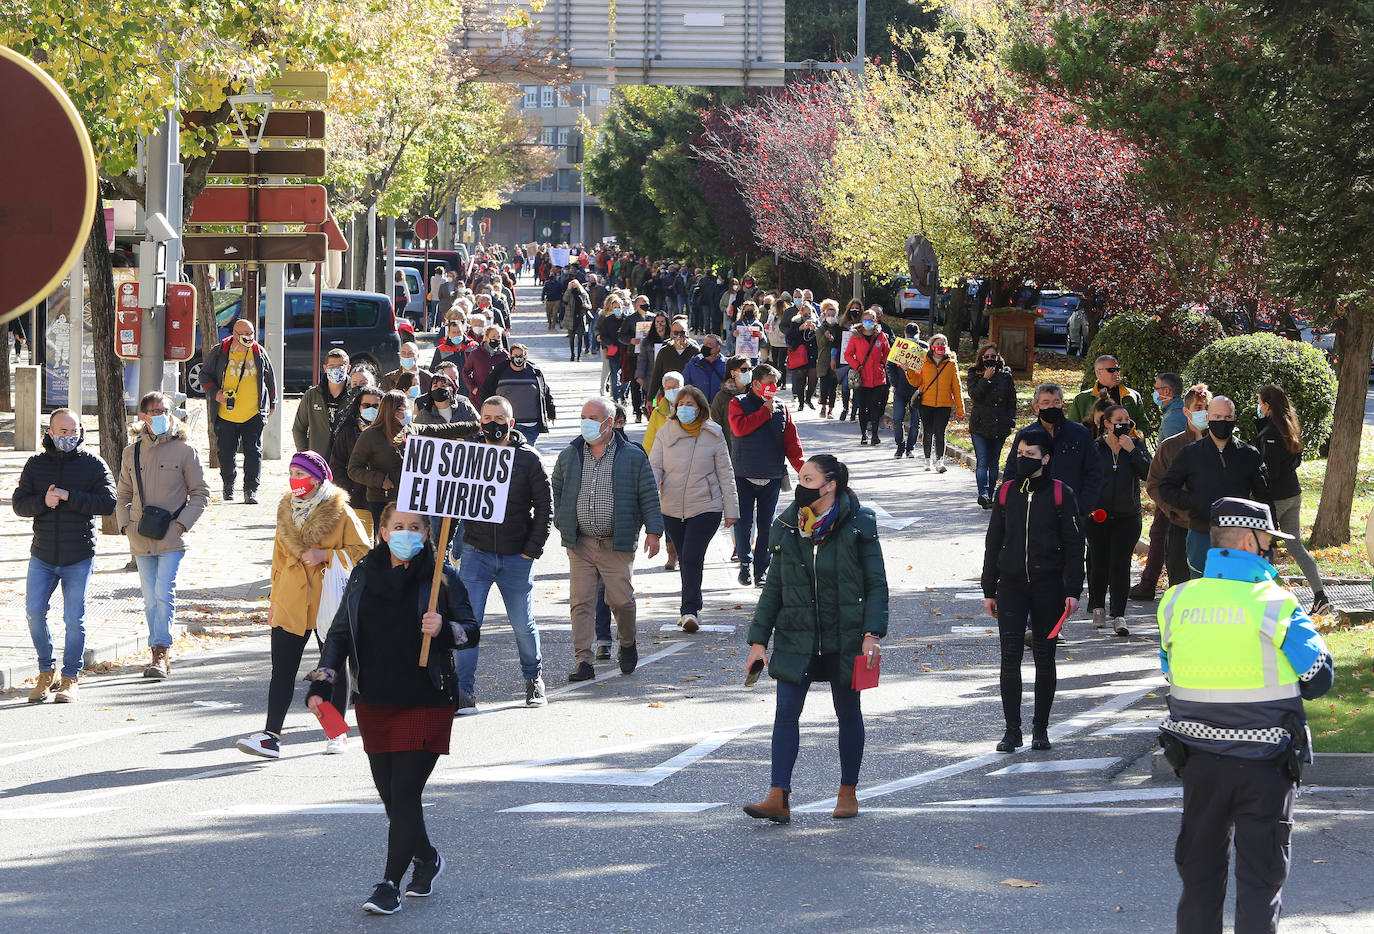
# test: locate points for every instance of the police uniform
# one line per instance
(1240, 656)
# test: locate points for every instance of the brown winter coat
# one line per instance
(172, 475)
(694, 475)
(331, 525)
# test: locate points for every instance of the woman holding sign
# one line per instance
(404, 710)
(825, 608)
(315, 526)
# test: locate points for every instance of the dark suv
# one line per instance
(362, 323)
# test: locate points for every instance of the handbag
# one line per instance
(797, 357)
(336, 575)
(154, 522)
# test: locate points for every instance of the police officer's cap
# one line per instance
(1234, 512)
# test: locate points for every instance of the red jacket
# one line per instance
(741, 424)
(873, 372)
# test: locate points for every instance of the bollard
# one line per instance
(28, 413)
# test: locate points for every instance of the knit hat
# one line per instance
(312, 464)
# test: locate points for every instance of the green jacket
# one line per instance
(821, 601)
(312, 430)
(636, 494)
(1081, 408)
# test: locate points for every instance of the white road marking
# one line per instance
(579, 770)
(612, 672)
(51, 813)
(969, 595)
(705, 627)
(1059, 765)
(1130, 726)
(63, 738)
(1058, 731)
(1068, 798)
(214, 704)
(271, 810)
(63, 745)
(1172, 809)
(615, 807)
(974, 630)
(131, 789)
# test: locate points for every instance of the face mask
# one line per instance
(495, 431)
(1266, 553)
(1158, 401)
(806, 495)
(1259, 410)
(66, 443)
(337, 375)
(767, 392)
(1027, 466)
(246, 340)
(301, 486)
(687, 414)
(1051, 416)
(439, 395)
(591, 430)
(161, 424)
(937, 351)
(517, 362)
(869, 325)
(405, 419)
(830, 319)
(742, 378)
(708, 351)
(413, 392)
(368, 413)
(1199, 420)
(671, 395)
(1120, 430)
(494, 345)
(1221, 430)
(407, 363)
(406, 544)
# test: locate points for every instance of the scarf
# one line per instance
(694, 429)
(302, 507)
(815, 527)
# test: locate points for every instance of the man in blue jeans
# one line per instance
(503, 553)
(765, 439)
(62, 489)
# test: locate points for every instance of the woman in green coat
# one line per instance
(824, 605)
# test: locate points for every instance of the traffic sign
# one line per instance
(277, 204)
(199, 249)
(281, 124)
(426, 228)
(292, 163)
(330, 227)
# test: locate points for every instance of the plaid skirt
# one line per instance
(389, 728)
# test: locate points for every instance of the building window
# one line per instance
(603, 95)
(549, 136)
(569, 180)
(531, 100)
(563, 137)
(546, 184)
(546, 97)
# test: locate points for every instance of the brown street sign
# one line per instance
(281, 124)
(277, 204)
(198, 249)
(291, 163)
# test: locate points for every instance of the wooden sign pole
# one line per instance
(440, 561)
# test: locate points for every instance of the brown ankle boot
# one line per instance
(774, 807)
(47, 683)
(846, 803)
(161, 665)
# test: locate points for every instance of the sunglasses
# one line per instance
(679, 334)
(1111, 369)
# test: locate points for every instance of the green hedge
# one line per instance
(1237, 367)
(764, 271)
(1145, 346)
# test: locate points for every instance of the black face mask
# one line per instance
(494, 345)
(1221, 430)
(1027, 466)
(495, 431)
(1120, 430)
(708, 351)
(1268, 554)
(1051, 416)
(439, 395)
(806, 495)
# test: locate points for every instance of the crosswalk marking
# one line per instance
(615, 807)
(1060, 765)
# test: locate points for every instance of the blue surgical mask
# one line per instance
(1259, 410)
(687, 414)
(336, 375)
(405, 419)
(406, 544)
(161, 424)
(368, 414)
(671, 395)
(870, 325)
(407, 363)
(1199, 420)
(1158, 401)
(414, 392)
(591, 429)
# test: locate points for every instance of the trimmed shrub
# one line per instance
(1238, 366)
(1145, 346)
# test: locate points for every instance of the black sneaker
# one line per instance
(744, 578)
(385, 900)
(984, 501)
(423, 875)
(250, 497)
(228, 494)
(1320, 605)
(583, 672)
(534, 693)
(899, 452)
(603, 653)
(758, 578)
(629, 658)
(467, 704)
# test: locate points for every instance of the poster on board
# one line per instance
(455, 478)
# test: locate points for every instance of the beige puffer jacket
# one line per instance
(694, 474)
(172, 475)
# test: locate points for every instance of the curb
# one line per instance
(109, 650)
(1336, 769)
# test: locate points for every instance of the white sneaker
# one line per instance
(1099, 617)
(939, 465)
(264, 745)
(689, 623)
(1119, 626)
(337, 746)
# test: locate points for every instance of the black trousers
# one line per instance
(229, 435)
(1043, 600)
(1226, 801)
(400, 778)
(1176, 555)
(870, 409)
(1110, 546)
(287, 649)
(935, 418)
(829, 386)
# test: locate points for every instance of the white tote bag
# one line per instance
(332, 590)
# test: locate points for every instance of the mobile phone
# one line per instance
(755, 670)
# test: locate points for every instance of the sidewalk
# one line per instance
(223, 580)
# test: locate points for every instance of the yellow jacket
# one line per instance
(333, 526)
(943, 390)
(658, 417)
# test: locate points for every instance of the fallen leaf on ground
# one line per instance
(1020, 883)
(657, 703)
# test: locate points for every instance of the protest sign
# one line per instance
(907, 354)
(559, 257)
(455, 478)
(747, 340)
(642, 329)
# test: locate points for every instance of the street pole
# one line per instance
(76, 318)
(370, 275)
(581, 174)
(859, 72)
(274, 338)
(391, 259)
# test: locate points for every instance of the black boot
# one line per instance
(1011, 740)
(1040, 738)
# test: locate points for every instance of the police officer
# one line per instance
(1240, 656)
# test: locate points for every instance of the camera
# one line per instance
(229, 400)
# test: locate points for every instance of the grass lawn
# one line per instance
(1343, 720)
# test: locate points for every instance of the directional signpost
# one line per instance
(427, 228)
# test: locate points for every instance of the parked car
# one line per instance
(912, 304)
(1055, 307)
(361, 323)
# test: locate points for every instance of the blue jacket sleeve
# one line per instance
(1309, 656)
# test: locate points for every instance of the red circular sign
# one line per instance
(426, 228)
(47, 213)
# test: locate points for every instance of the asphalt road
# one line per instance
(616, 808)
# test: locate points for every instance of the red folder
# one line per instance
(333, 722)
(1054, 633)
(865, 677)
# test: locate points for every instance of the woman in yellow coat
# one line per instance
(941, 393)
(314, 524)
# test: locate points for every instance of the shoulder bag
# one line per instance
(154, 521)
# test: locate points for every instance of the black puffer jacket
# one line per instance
(1119, 494)
(1200, 475)
(993, 414)
(1281, 464)
(64, 535)
(529, 509)
(1052, 546)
